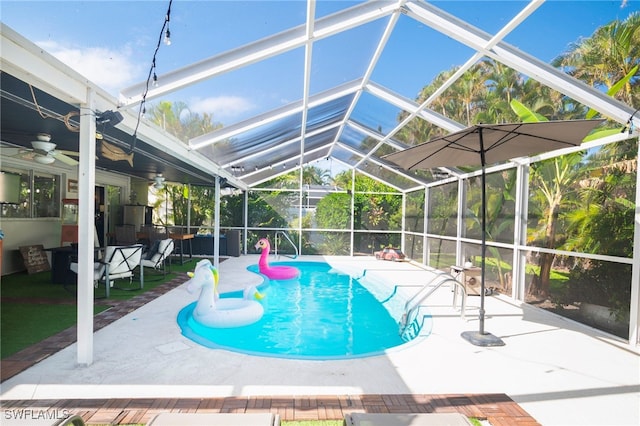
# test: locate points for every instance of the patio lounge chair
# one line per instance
(220, 419)
(410, 419)
(158, 255)
(118, 262)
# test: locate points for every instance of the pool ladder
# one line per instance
(409, 324)
(286, 237)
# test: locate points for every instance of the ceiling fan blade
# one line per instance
(11, 152)
(64, 158)
(69, 153)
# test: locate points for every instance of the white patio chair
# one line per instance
(157, 257)
(118, 262)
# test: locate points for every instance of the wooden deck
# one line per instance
(497, 409)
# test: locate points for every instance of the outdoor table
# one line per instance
(181, 238)
(60, 261)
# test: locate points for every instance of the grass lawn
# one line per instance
(32, 308)
(24, 324)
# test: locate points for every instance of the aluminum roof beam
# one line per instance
(372, 64)
(264, 152)
(275, 115)
(519, 61)
(260, 50)
(455, 126)
(413, 108)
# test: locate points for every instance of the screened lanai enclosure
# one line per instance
(337, 86)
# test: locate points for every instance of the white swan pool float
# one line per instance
(213, 311)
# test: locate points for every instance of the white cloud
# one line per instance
(109, 69)
(222, 107)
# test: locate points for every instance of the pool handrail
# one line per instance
(415, 302)
(286, 236)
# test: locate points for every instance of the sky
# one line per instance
(112, 43)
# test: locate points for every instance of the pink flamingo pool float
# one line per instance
(274, 272)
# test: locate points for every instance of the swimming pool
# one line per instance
(324, 314)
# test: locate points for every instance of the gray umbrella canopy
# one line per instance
(484, 144)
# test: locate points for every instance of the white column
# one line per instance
(520, 232)
(634, 312)
(426, 252)
(86, 226)
(216, 224)
(460, 224)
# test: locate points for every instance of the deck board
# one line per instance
(498, 409)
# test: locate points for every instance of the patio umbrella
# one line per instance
(484, 144)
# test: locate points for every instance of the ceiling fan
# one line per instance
(158, 181)
(44, 152)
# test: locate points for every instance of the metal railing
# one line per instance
(286, 237)
(409, 322)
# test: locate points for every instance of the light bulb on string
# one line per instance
(152, 78)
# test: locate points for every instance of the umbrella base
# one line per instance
(482, 339)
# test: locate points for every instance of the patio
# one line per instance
(541, 367)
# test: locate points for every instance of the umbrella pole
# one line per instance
(484, 245)
(481, 337)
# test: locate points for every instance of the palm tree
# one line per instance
(551, 182)
(179, 120)
(607, 57)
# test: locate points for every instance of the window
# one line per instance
(29, 194)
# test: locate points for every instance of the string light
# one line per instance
(167, 33)
(152, 77)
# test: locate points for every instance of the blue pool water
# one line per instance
(324, 314)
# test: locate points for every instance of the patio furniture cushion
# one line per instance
(160, 257)
(411, 419)
(119, 262)
(152, 251)
(218, 419)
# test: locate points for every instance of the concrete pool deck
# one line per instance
(558, 371)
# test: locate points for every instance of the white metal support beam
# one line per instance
(371, 67)
(216, 224)
(272, 116)
(413, 108)
(308, 55)
(519, 61)
(518, 274)
(421, 110)
(33, 65)
(258, 51)
(460, 223)
(634, 313)
(86, 227)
